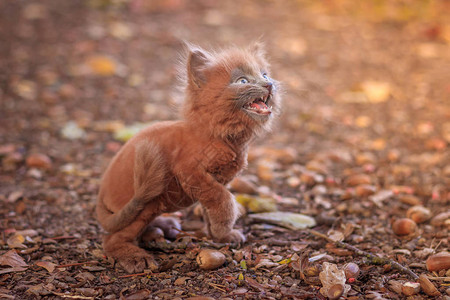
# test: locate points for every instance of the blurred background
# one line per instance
(370, 78)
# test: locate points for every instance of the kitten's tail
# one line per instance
(149, 175)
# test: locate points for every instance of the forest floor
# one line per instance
(363, 141)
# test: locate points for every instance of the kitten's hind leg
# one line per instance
(122, 245)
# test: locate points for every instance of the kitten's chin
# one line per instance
(258, 117)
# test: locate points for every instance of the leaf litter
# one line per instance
(363, 140)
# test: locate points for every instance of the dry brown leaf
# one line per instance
(12, 259)
(49, 266)
(16, 241)
(102, 65)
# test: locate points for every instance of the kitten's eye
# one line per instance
(266, 76)
(242, 80)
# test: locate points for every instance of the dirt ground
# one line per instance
(362, 143)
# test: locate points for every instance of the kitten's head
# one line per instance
(231, 92)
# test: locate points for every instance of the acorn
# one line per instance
(209, 259)
(410, 288)
(439, 261)
(335, 291)
(418, 214)
(427, 286)
(404, 226)
(351, 270)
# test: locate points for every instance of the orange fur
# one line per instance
(171, 165)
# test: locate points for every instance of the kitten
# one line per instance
(229, 99)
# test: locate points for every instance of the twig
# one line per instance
(217, 286)
(78, 264)
(438, 278)
(63, 237)
(62, 295)
(182, 245)
(134, 275)
(373, 258)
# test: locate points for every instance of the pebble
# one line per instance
(243, 186)
(409, 199)
(440, 219)
(358, 179)
(365, 190)
(418, 214)
(39, 161)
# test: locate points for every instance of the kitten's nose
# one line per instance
(269, 86)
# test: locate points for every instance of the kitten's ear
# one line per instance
(196, 65)
(258, 49)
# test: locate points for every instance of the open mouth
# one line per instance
(259, 106)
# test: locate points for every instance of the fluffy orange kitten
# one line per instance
(229, 99)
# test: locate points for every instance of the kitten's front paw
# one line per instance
(234, 237)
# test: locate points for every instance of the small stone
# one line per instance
(243, 186)
(418, 214)
(409, 199)
(39, 161)
(293, 181)
(440, 219)
(181, 280)
(11, 160)
(365, 158)
(365, 190)
(308, 178)
(316, 166)
(72, 131)
(357, 179)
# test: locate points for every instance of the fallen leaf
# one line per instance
(363, 121)
(120, 30)
(12, 259)
(94, 268)
(181, 280)
(102, 65)
(289, 220)
(26, 89)
(72, 131)
(257, 204)
(125, 133)
(14, 196)
(49, 266)
(376, 91)
(266, 263)
(16, 241)
(330, 276)
(12, 270)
